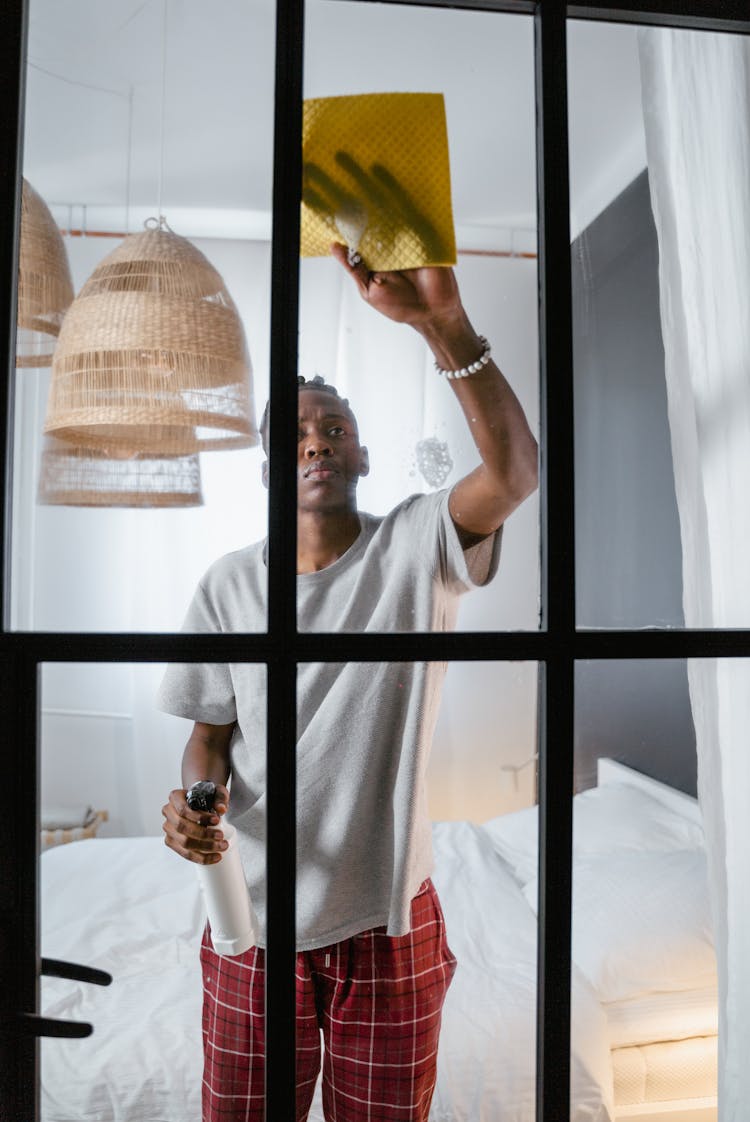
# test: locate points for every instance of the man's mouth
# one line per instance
(320, 470)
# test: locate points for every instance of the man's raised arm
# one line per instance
(429, 300)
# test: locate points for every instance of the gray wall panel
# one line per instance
(628, 553)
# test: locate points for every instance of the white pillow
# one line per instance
(641, 922)
(618, 816)
(515, 837)
(606, 819)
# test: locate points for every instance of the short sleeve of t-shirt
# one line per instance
(199, 691)
(455, 567)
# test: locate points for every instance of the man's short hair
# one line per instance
(315, 383)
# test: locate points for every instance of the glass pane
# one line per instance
(660, 267)
(115, 898)
(646, 888)
(417, 438)
(380, 827)
(107, 533)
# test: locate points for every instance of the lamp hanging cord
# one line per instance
(129, 162)
(161, 107)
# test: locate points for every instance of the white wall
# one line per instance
(77, 569)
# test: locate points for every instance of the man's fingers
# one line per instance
(351, 260)
(197, 856)
(194, 835)
(221, 802)
(355, 268)
(179, 805)
(196, 846)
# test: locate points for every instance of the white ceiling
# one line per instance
(94, 95)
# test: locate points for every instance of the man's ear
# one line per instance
(264, 473)
(364, 461)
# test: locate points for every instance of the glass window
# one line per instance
(115, 898)
(647, 904)
(417, 438)
(132, 468)
(658, 283)
(659, 542)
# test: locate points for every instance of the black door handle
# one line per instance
(31, 1024)
(55, 968)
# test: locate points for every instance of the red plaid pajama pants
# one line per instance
(377, 1000)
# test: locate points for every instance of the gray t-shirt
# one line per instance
(364, 730)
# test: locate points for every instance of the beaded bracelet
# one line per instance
(473, 367)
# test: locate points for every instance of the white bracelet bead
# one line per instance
(472, 368)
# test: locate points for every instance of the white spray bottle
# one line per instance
(230, 911)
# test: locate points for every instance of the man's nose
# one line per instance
(317, 445)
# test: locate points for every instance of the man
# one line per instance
(373, 964)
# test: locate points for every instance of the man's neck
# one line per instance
(323, 538)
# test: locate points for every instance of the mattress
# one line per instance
(671, 1069)
(654, 1017)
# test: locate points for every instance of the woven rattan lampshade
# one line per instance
(72, 476)
(45, 287)
(152, 355)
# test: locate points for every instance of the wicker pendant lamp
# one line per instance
(45, 287)
(72, 476)
(152, 357)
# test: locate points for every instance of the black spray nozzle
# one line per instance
(201, 795)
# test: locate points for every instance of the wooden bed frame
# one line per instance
(675, 1110)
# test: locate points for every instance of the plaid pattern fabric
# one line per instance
(377, 1000)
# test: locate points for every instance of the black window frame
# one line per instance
(556, 648)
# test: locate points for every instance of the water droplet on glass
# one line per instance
(433, 460)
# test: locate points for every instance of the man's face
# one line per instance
(330, 459)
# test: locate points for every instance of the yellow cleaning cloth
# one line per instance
(376, 177)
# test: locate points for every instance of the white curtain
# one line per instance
(696, 103)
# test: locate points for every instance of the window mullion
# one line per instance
(13, 37)
(558, 567)
(18, 709)
(19, 922)
(282, 569)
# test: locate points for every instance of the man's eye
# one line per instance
(337, 430)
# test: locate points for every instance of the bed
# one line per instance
(644, 979)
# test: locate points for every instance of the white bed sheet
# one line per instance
(486, 1067)
(131, 907)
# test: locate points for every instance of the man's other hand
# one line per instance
(195, 835)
